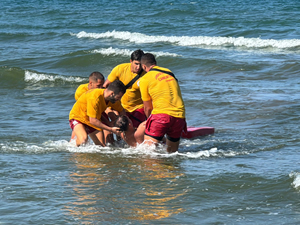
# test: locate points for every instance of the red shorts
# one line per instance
(137, 117)
(160, 124)
(88, 129)
(106, 117)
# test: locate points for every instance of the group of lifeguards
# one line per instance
(139, 102)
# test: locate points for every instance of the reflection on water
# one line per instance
(114, 188)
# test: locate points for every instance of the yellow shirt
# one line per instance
(131, 100)
(92, 104)
(164, 92)
(80, 90)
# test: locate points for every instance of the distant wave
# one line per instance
(127, 52)
(37, 77)
(194, 40)
(296, 177)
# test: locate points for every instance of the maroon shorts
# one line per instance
(160, 124)
(106, 117)
(137, 117)
(88, 129)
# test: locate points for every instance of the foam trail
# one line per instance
(194, 40)
(36, 77)
(122, 149)
(127, 52)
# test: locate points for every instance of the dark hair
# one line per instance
(94, 76)
(122, 122)
(117, 86)
(148, 59)
(137, 55)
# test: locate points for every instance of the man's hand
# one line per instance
(116, 130)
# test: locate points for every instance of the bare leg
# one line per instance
(80, 133)
(98, 138)
(150, 140)
(109, 137)
(139, 133)
(172, 146)
(72, 136)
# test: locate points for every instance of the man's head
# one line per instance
(122, 122)
(96, 80)
(135, 61)
(148, 61)
(115, 91)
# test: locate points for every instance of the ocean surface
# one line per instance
(238, 65)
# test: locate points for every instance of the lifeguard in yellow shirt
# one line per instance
(85, 116)
(131, 100)
(96, 80)
(163, 104)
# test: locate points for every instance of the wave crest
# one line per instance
(126, 52)
(37, 77)
(194, 40)
(296, 177)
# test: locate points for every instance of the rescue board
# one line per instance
(197, 131)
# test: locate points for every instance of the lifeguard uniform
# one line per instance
(91, 104)
(80, 90)
(168, 114)
(131, 100)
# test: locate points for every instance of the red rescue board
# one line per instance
(197, 131)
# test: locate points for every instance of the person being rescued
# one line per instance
(131, 135)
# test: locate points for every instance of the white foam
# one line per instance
(200, 154)
(127, 52)
(296, 177)
(20, 146)
(140, 38)
(151, 151)
(37, 77)
(121, 148)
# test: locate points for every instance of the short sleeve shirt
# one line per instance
(164, 91)
(131, 100)
(92, 104)
(80, 90)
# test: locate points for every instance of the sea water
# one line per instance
(238, 67)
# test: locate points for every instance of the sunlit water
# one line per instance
(238, 68)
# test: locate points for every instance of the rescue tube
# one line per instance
(193, 132)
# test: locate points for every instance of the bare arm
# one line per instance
(148, 107)
(139, 133)
(106, 83)
(101, 125)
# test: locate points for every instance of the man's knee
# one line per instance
(82, 139)
(172, 146)
(81, 134)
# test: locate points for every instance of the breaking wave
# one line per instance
(198, 41)
(37, 77)
(126, 52)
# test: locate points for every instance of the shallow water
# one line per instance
(237, 65)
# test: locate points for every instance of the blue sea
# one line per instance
(238, 66)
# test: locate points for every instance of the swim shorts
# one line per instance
(160, 124)
(137, 117)
(88, 129)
